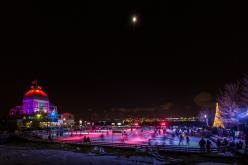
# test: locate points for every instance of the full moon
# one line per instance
(134, 19)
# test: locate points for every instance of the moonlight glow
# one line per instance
(134, 19)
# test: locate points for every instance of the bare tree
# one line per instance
(244, 94)
(229, 101)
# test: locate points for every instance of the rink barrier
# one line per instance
(142, 147)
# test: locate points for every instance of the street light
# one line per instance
(38, 116)
(206, 119)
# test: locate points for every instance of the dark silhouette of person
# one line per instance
(240, 144)
(85, 140)
(246, 139)
(88, 139)
(187, 140)
(202, 144)
(208, 146)
(180, 139)
(218, 144)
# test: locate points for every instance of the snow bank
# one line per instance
(16, 155)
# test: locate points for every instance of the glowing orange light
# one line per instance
(37, 91)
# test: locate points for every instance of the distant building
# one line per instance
(67, 118)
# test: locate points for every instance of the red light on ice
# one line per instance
(136, 124)
(163, 123)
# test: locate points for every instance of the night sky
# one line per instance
(89, 55)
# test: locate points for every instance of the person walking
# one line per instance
(246, 140)
(88, 139)
(208, 146)
(50, 135)
(202, 144)
(85, 140)
(240, 144)
(225, 145)
(187, 140)
(180, 139)
(218, 144)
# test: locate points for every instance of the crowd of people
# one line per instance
(230, 143)
(225, 145)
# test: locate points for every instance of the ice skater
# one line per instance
(180, 139)
(187, 140)
(202, 144)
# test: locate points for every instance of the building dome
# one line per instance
(36, 101)
(35, 91)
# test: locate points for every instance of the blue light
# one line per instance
(243, 114)
(52, 116)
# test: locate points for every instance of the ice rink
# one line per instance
(133, 136)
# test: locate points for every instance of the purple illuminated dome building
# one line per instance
(35, 101)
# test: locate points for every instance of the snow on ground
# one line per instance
(211, 163)
(16, 155)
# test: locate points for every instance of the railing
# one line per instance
(3, 138)
(143, 147)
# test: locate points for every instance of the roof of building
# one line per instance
(36, 91)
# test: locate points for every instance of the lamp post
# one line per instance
(112, 136)
(206, 119)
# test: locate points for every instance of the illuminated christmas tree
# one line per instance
(217, 119)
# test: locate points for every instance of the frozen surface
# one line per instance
(135, 136)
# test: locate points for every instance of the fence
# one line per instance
(3, 138)
(142, 147)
